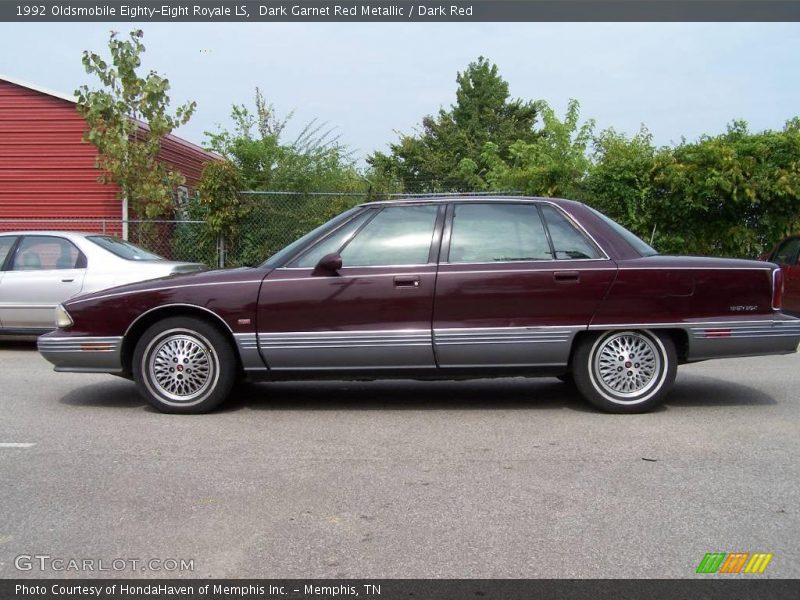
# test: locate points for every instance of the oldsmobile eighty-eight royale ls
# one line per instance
(448, 288)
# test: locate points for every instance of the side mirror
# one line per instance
(328, 264)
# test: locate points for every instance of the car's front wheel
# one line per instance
(625, 371)
(184, 365)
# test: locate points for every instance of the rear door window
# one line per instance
(497, 232)
(47, 253)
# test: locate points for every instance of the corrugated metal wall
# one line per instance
(187, 158)
(45, 168)
(48, 172)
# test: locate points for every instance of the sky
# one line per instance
(371, 80)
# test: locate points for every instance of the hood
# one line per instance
(178, 280)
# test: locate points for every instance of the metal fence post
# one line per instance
(221, 251)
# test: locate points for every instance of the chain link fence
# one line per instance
(269, 221)
(184, 240)
(274, 219)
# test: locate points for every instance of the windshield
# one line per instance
(640, 246)
(281, 255)
(123, 249)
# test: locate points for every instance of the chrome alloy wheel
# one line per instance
(627, 365)
(181, 367)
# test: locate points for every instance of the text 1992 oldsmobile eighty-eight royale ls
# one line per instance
(445, 288)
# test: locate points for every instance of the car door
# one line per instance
(787, 256)
(516, 282)
(372, 313)
(43, 271)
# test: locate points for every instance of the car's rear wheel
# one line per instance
(625, 371)
(184, 365)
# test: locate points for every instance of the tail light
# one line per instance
(777, 289)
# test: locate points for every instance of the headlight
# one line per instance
(63, 320)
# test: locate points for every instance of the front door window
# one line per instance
(396, 236)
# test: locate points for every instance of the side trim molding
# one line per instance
(247, 343)
(324, 350)
(504, 346)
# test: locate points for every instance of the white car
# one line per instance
(41, 269)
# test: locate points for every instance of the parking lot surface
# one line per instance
(504, 478)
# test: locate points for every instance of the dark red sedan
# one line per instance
(787, 256)
(435, 288)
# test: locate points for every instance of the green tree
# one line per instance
(314, 161)
(447, 152)
(217, 214)
(315, 168)
(620, 182)
(127, 118)
(553, 164)
(731, 194)
(219, 193)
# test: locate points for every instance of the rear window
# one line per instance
(123, 249)
(568, 242)
(640, 246)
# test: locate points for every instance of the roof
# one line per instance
(469, 198)
(74, 100)
(37, 88)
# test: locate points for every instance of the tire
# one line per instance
(566, 378)
(625, 372)
(184, 365)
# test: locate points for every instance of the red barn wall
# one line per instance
(47, 171)
(185, 157)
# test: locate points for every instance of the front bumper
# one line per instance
(78, 354)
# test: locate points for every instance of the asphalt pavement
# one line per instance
(514, 478)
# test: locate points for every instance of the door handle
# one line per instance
(406, 281)
(566, 276)
(68, 280)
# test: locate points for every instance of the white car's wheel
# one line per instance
(184, 365)
(625, 371)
